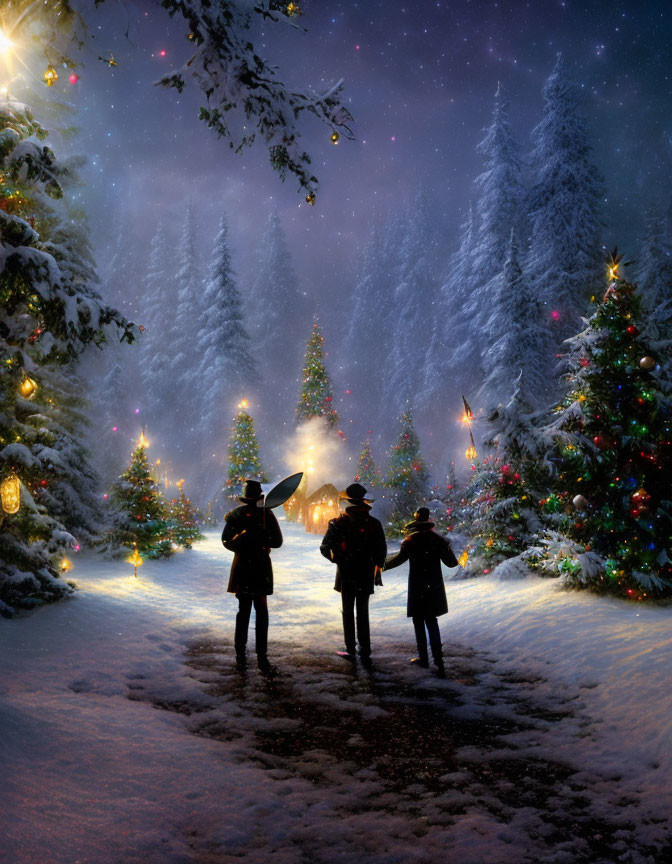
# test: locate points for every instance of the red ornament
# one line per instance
(601, 442)
(632, 330)
(328, 399)
(584, 361)
(73, 79)
(505, 469)
(640, 500)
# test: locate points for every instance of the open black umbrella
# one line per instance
(281, 492)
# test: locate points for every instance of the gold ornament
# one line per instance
(50, 76)
(10, 493)
(310, 199)
(335, 137)
(647, 363)
(293, 9)
(65, 565)
(27, 388)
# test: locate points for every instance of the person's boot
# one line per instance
(241, 660)
(437, 656)
(266, 667)
(347, 655)
(420, 661)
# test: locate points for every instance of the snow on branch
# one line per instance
(236, 80)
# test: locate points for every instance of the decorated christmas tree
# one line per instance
(317, 393)
(142, 519)
(244, 461)
(184, 530)
(406, 474)
(367, 470)
(614, 432)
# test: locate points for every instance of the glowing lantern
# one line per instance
(335, 137)
(65, 565)
(27, 388)
(10, 493)
(310, 199)
(50, 76)
(136, 560)
(470, 453)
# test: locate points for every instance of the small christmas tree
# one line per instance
(613, 433)
(244, 461)
(317, 394)
(406, 474)
(141, 520)
(210, 519)
(367, 471)
(184, 528)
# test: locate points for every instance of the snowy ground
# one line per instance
(126, 734)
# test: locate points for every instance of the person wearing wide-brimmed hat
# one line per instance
(426, 592)
(355, 542)
(250, 532)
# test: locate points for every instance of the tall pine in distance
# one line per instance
(316, 396)
(655, 277)
(565, 258)
(367, 471)
(158, 309)
(226, 365)
(406, 473)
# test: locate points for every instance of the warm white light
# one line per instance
(5, 42)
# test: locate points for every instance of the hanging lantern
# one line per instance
(335, 137)
(50, 76)
(470, 453)
(293, 9)
(10, 493)
(65, 565)
(28, 388)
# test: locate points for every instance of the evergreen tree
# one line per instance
(244, 460)
(183, 518)
(317, 394)
(141, 518)
(655, 278)
(613, 435)
(367, 471)
(519, 343)
(406, 473)
(49, 312)
(113, 409)
(227, 367)
(158, 312)
(564, 256)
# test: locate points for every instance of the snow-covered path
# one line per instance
(126, 734)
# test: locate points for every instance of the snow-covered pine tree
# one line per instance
(159, 307)
(278, 312)
(244, 460)
(655, 279)
(517, 338)
(227, 368)
(565, 259)
(316, 397)
(140, 519)
(415, 296)
(49, 313)
(406, 474)
(368, 473)
(499, 198)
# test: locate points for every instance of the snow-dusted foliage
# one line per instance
(565, 259)
(244, 89)
(49, 312)
(226, 366)
(517, 345)
(655, 280)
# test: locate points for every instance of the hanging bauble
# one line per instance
(505, 469)
(10, 493)
(647, 363)
(310, 199)
(640, 499)
(50, 76)
(580, 502)
(335, 137)
(631, 330)
(601, 442)
(292, 9)
(27, 388)
(584, 361)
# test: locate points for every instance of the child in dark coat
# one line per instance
(426, 593)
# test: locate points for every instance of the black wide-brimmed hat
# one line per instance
(420, 521)
(251, 492)
(356, 494)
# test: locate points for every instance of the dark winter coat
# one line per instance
(425, 550)
(246, 535)
(355, 542)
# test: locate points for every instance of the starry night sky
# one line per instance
(420, 77)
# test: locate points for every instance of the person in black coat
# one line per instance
(250, 532)
(355, 542)
(426, 592)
